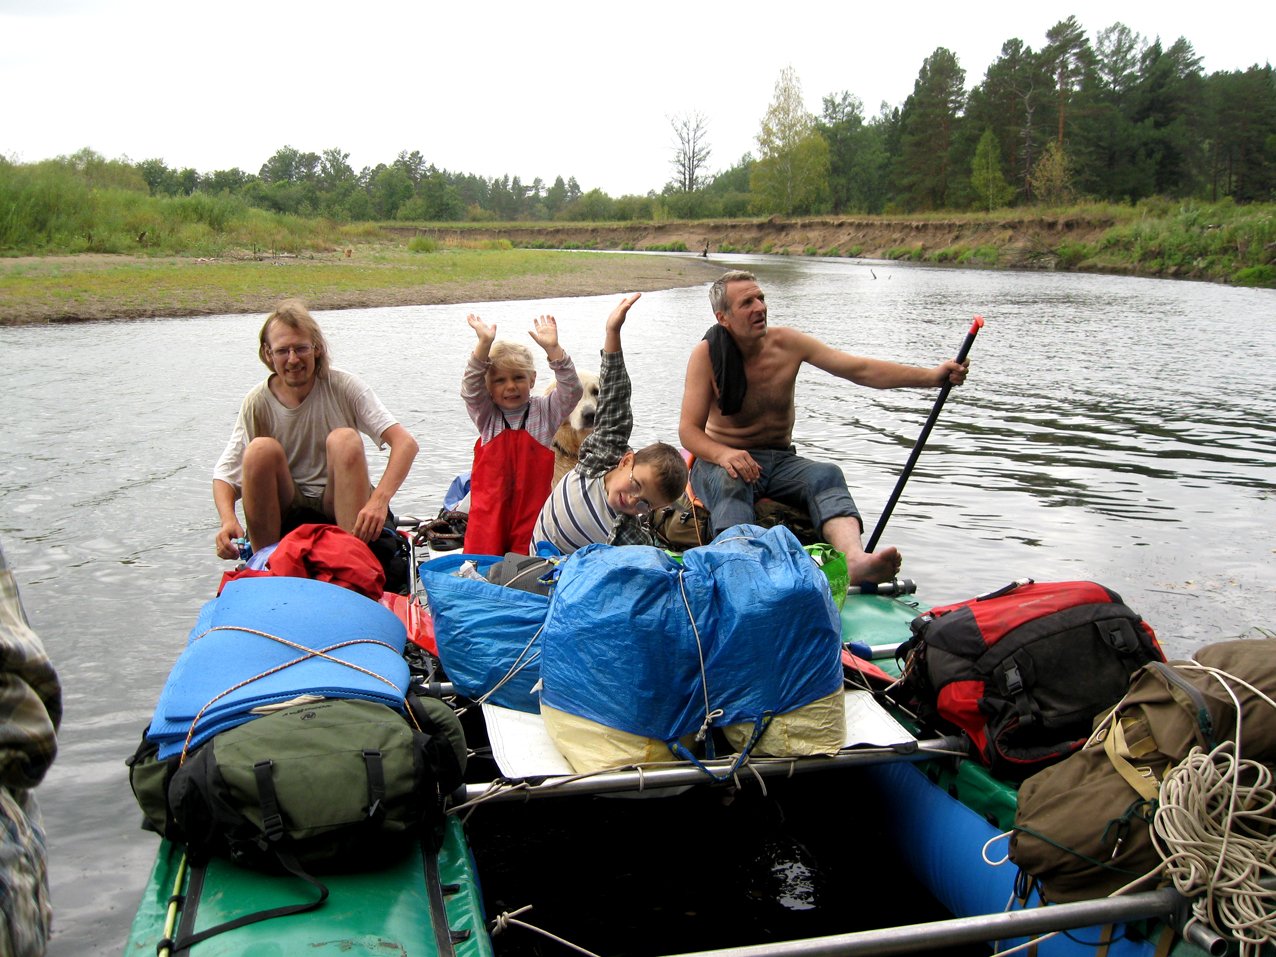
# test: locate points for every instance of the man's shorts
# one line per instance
(817, 487)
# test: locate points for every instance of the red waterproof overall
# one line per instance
(509, 483)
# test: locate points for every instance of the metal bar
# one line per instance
(898, 586)
(1009, 925)
(682, 774)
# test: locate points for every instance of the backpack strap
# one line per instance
(273, 829)
(272, 821)
(1119, 752)
(444, 936)
(1180, 687)
(1011, 673)
(188, 937)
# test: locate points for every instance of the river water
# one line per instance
(1116, 429)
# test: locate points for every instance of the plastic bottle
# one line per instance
(469, 569)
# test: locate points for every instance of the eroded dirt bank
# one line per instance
(1018, 241)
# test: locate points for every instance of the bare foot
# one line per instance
(877, 567)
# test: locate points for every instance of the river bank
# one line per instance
(88, 287)
(427, 264)
(1234, 245)
(1010, 242)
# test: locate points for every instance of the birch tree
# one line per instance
(791, 174)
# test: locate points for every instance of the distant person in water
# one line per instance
(296, 454)
(513, 457)
(738, 413)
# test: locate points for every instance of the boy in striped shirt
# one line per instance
(613, 488)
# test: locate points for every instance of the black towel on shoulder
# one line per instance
(728, 369)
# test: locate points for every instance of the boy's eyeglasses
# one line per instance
(641, 507)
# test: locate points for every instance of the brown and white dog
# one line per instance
(579, 424)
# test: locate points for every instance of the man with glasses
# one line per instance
(296, 454)
(612, 488)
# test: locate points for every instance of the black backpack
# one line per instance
(1024, 670)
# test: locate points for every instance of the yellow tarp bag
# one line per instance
(815, 728)
(589, 746)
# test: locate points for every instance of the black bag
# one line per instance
(529, 573)
(1024, 670)
(394, 554)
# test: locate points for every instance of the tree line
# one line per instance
(1116, 119)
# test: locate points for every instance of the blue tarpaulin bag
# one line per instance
(488, 635)
(743, 630)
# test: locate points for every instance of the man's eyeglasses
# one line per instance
(300, 351)
(641, 506)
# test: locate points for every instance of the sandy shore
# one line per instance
(37, 290)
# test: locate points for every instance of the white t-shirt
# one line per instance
(338, 400)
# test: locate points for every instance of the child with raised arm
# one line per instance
(513, 460)
(606, 496)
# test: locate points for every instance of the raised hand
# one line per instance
(486, 334)
(545, 333)
(617, 317)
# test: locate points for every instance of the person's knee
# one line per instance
(824, 477)
(263, 451)
(729, 500)
(345, 449)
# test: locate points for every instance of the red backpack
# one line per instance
(1024, 670)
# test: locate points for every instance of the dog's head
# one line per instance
(579, 424)
(582, 416)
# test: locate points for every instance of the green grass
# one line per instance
(107, 286)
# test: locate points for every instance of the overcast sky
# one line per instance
(580, 89)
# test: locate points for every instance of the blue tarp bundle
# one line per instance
(487, 634)
(221, 675)
(628, 628)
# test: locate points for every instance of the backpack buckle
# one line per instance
(1014, 680)
(1118, 638)
(1016, 689)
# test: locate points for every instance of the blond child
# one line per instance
(513, 457)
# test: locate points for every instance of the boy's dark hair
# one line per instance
(669, 466)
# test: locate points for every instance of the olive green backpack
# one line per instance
(1082, 829)
(337, 784)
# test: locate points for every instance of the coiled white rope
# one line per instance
(1215, 829)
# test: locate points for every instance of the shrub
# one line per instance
(1071, 255)
(423, 244)
(980, 256)
(1263, 277)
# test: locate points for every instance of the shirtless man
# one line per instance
(296, 454)
(738, 412)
